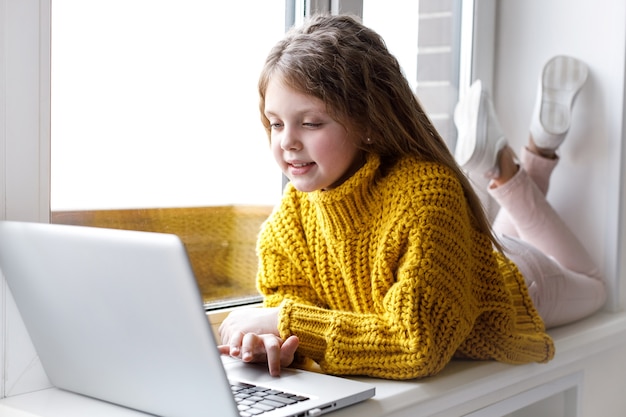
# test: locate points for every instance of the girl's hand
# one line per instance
(252, 335)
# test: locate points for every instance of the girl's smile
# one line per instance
(299, 168)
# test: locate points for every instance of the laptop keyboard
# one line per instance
(253, 400)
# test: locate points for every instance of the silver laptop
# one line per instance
(117, 315)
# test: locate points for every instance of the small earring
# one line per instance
(368, 140)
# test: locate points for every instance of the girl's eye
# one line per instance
(275, 125)
(311, 124)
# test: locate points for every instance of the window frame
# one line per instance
(25, 111)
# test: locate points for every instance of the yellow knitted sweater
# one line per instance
(387, 277)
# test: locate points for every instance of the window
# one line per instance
(156, 106)
(155, 126)
(154, 117)
(425, 37)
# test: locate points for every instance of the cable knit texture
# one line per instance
(387, 277)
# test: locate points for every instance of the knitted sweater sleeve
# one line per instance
(426, 283)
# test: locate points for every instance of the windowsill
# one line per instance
(463, 386)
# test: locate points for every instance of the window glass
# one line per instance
(155, 125)
(154, 103)
(425, 37)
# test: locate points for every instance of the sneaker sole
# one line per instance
(562, 79)
(465, 154)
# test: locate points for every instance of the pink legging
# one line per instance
(562, 279)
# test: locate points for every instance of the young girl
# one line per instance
(379, 260)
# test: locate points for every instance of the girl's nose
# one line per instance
(289, 140)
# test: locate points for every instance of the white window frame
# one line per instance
(25, 110)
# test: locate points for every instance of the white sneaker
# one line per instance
(560, 81)
(479, 135)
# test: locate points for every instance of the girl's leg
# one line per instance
(563, 281)
(538, 223)
(560, 295)
(561, 79)
(561, 276)
(539, 170)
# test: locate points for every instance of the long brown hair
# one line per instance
(348, 66)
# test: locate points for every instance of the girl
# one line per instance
(379, 260)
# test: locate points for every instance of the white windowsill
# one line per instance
(463, 387)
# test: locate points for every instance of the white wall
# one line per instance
(586, 186)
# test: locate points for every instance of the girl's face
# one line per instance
(312, 149)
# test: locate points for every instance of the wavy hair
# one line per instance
(348, 66)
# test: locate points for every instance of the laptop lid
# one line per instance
(117, 315)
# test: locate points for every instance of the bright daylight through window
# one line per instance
(155, 125)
